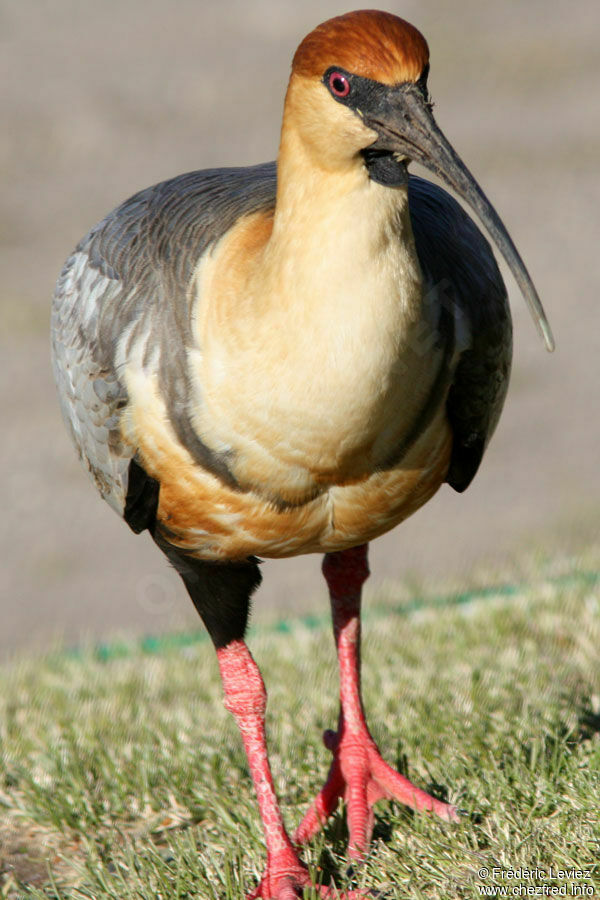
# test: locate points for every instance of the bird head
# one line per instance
(358, 100)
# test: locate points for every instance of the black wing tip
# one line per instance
(141, 502)
(464, 464)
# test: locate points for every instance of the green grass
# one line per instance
(123, 777)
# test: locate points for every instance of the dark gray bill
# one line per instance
(407, 127)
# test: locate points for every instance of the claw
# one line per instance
(330, 739)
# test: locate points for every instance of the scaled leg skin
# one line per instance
(358, 774)
(221, 593)
(246, 698)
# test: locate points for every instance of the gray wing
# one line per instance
(127, 281)
(459, 268)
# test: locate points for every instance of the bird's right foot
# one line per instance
(361, 777)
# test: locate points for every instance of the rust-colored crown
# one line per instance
(366, 42)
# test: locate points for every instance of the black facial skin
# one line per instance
(400, 115)
(370, 99)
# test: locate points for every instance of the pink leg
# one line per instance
(246, 698)
(358, 774)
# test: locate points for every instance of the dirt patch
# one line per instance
(31, 855)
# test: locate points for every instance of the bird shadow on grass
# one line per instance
(588, 723)
(552, 745)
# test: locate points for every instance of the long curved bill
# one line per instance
(406, 125)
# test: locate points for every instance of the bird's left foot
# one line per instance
(286, 878)
(360, 776)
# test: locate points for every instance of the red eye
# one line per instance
(339, 84)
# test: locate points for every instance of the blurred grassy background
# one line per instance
(101, 99)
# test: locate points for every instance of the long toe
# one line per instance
(324, 804)
(395, 786)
